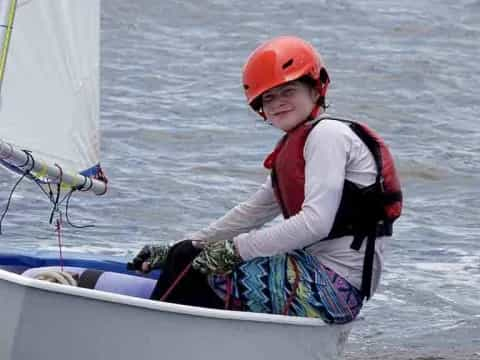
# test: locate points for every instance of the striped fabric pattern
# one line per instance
(265, 284)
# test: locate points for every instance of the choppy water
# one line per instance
(180, 146)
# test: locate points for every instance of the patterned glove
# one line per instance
(154, 256)
(217, 257)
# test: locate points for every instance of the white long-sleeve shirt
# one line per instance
(333, 153)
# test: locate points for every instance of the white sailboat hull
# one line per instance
(40, 320)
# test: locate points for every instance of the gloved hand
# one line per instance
(149, 258)
(217, 257)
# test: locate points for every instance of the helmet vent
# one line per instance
(245, 86)
(287, 64)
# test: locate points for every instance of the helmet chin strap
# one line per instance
(262, 114)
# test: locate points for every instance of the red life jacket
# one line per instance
(364, 212)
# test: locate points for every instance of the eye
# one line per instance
(290, 91)
(267, 98)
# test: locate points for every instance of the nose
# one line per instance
(278, 103)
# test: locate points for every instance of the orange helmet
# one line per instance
(278, 61)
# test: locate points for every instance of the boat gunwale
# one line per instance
(99, 295)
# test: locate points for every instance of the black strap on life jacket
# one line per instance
(368, 259)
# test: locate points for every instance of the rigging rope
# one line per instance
(29, 160)
(59, 237)
(53, 197)
(57, 198)
(67, 197)
(10, 200)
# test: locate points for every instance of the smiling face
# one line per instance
(288, 105)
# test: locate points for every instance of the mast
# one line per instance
(7, 14)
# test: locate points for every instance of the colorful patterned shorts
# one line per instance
(266, 285)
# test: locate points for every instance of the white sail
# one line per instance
(49, 101)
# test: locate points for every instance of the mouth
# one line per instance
(281, 113)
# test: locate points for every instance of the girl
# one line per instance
(335, 184)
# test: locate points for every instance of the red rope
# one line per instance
(184, 272)
(58, 229)
(228, 295)
(175, 283)
(102, 177)
(294, 288)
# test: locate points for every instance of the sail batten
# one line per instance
(49, 101)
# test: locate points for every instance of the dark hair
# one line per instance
(307, 80)
(312, 83)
